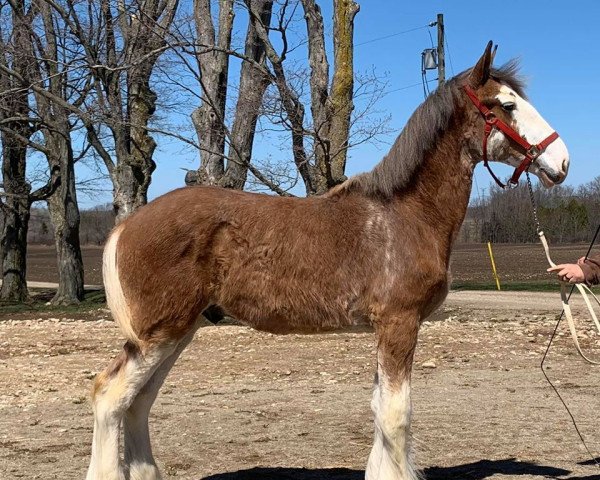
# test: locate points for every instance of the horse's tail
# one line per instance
(114, 293)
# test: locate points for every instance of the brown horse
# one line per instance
(376, 249)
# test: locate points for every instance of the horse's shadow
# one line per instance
(483, 469)
(479, 470)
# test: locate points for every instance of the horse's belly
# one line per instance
(284, 300)
(296, 315)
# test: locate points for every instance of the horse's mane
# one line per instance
(420, 134)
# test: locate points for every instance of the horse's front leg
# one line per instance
(390, 458)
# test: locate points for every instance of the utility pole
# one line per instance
(440, 50)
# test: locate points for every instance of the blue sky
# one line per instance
(554, 41)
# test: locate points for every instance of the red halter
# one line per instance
(531, 151)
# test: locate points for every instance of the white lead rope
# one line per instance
(584, 290)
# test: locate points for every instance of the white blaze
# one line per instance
(533, 128)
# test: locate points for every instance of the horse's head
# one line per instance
(508, 126)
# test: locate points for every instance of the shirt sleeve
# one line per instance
(591, 270)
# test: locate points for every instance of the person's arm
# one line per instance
(585, 270)
(591, 269)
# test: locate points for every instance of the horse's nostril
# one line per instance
(565, 166)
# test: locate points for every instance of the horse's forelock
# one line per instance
(508, 74)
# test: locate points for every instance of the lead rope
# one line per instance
(565, 312)
(583, 289)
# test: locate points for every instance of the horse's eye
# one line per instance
(509, 106)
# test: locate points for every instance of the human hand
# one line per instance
(569, 272)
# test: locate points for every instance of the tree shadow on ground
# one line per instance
(479, 470)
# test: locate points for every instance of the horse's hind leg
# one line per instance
(114, 391)
(390, 458)
(139, 460)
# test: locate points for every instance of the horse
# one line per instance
(375, 249)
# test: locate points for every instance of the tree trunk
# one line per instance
(209, 118)
(64, 215)
(62, 201)
(289, 98)
(253, 84)
(319, 94)
(331, 110)
(342, 87)
(134, 162)
(130, 192)
(14, 253)
(16, 222)
(14, 155)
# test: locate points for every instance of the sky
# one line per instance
(555, 42)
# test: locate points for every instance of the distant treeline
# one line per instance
(566, 214)
(96, 224)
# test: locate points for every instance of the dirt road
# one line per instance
(511, 302)
(246, 405)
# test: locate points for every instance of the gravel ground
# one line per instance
(241, 404)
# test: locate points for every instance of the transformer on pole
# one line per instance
(434, 58)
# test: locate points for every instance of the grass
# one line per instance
(532, 286)
(39, 302)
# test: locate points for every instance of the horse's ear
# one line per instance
(481, 72)
(494, 54)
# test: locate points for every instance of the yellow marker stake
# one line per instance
(493, 265)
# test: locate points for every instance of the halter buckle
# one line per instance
(490, 118)
(533, 152)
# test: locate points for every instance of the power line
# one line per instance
(449, 54)
(406, 87)
(430, 37)
(391, 35)
(403, 88)
(426, 91)
(424, 81)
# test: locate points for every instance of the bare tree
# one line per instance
(212, 52)
(320, 142)
(213, 64)
(96, 224)
(112, 49)
(253, 83)
(506, 216)
(589, 194)
(121, 42)
(331, 105)
(17, 129)
(51, 69)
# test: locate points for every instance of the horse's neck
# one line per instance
(441, 188)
